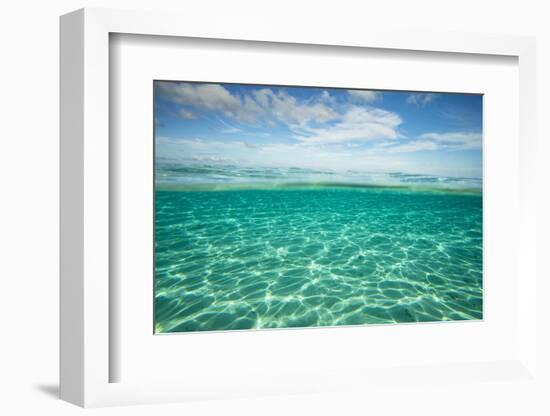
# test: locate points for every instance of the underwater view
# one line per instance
(286, 207)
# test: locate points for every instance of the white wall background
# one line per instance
(29, 56)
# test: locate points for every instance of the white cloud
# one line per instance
(414, 146)
(326, 97)
(286, 108)
(455, 140)
(204, 96)
(263, 105)
(230, 130)
(358, 124)
(451, 141)
(365, 95)
(420, 99)
(186, 114)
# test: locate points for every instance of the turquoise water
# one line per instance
(242, 254)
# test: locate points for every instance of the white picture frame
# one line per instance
(85, 210)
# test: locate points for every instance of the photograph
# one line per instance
(280, 206)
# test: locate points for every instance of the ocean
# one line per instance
(253, 248)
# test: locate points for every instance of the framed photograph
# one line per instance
(282, 213)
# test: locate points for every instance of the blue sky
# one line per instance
(338, 129)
